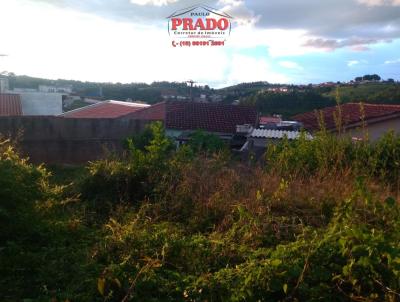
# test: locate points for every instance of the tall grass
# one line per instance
(314, 224)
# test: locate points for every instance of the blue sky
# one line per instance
(279, 41)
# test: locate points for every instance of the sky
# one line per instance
(279, 41)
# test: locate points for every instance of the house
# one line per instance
(106, 109)
(179, 117)
(357, 119)
(10, 105)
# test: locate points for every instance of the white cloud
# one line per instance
(379, 2)
(277, 42)
(392, 61)
(153, 2)
(75, 45)
(249, 69)
(352, 63)
(290, 65)
(238, 9)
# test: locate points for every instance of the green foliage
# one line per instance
(21, 186)
(42, 253)
(132, 178)
(202, 142)
(355, 258)
(314, 225)
(326, 153)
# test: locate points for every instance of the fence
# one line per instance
(59, 140)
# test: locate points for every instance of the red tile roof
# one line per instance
(155, 112)
(10, 105)
(107, 109)
(182, 115)
(352, 113)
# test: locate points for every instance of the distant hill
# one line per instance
(307, 98)
(388, 93)
(149, 93)
(287, 100)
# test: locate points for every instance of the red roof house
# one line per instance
(10, 105)
(106, 109)
(352, 115)
(182, 115)
(358, 120)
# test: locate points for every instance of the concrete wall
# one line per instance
(57, 140)
(41, 103)
(376, 130)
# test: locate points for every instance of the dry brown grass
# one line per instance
(206, 194)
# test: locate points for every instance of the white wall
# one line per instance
(41, 103)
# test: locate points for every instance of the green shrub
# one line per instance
(129, 179)
(21, 186)
(356, 258)
(328, 154)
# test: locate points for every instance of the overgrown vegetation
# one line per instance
(318, 221)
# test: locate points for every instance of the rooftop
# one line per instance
(352, 115)
(181, 115)
(276, 134)
(106, 109)
(10, 105)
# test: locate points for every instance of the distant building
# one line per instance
(277, 89)
(55, 89)
(19, 90)
(356, 119)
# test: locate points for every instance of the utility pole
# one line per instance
(191, 82)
